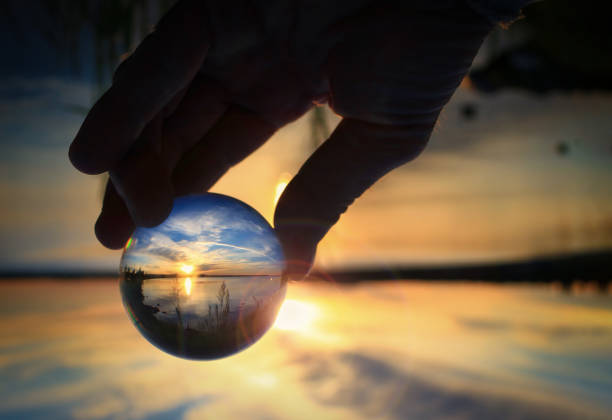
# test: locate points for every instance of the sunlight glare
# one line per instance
(296, 316)
(281, 185)
(264, 380)
(187, 269)
(188, 286)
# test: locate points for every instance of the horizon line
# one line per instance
(590, 265)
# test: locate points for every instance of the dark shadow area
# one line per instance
(557, 46)
(593, 266)
(565, 269)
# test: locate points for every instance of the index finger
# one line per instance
(164, 63)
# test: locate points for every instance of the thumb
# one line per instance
(355, 156)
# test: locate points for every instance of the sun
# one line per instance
(187, 269)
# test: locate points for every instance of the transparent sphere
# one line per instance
(206, 283)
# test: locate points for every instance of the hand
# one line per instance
(214, 81)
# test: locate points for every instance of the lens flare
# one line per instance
(296, 316)
(187, 269)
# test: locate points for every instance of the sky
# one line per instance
(489, 188)
(486, 189)
(207, 235)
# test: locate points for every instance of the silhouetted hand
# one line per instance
(216, 79)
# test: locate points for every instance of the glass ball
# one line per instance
(206, 283)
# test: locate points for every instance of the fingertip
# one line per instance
(80, 158)
(114, 225)
(113, 231)
(105, 135)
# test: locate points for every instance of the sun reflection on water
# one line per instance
(382, 350)
(296, 316)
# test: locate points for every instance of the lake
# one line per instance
(203, 318)
(391, 349)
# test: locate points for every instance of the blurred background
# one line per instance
(514, 187)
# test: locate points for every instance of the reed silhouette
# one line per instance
(221, 331)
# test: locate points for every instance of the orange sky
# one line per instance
(485, 189)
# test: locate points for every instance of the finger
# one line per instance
(143, 179)
(201, 107)
(238, 134)
(416, 59)
(235, 136)
(165, 63)
(114, 225)
(349, 162)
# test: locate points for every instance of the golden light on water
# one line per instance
(503, 351)
(187, 269)
(188, 286)
(296, 316)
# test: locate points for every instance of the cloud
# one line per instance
(208, 226)
(41, 112)
(168, 253)
(552, 331)
(227, 237)
(379, 390)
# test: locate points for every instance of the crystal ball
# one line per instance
(206, 283)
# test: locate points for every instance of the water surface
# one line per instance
(374, 350)
(203, 317)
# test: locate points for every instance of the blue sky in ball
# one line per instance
(213, 234)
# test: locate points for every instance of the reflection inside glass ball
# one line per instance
(206, 283)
